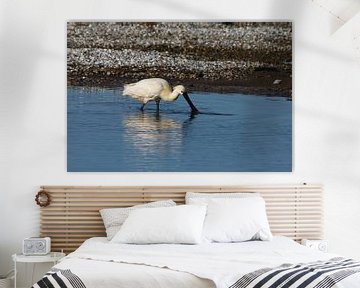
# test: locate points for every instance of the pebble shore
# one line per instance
(252, 58)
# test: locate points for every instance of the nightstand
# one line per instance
(53, 257)
(320, 245)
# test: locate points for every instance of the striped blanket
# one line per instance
(59, 278)
(319, 274)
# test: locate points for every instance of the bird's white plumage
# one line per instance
(155, 89)
(147, 89)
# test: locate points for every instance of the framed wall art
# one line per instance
(179, 96)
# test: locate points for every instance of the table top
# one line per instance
(51, 257)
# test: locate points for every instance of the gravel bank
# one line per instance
(229, 57)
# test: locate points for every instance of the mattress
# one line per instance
(99, 263)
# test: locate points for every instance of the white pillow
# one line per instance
(204, 198)
(236, 220)
(113, 218)
(180, 224)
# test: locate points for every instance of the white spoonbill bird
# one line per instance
(156, 89)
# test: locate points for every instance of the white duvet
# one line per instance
(100, 263)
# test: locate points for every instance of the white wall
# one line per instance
(33, 106)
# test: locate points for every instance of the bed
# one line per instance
(294, 211)
(99, 263)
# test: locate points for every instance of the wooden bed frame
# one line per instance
(73, 214)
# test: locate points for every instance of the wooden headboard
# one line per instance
(73, 215)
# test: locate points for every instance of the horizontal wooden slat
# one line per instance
(155, 189)
(50, 232)
(73, 216)
(93, 219)
(113, 198)
(71, 226)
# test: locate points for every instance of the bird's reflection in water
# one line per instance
(154, 133)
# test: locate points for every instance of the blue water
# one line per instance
(234, 133)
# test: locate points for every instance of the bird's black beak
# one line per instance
(191, 104)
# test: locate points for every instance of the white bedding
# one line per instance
(100, 263)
